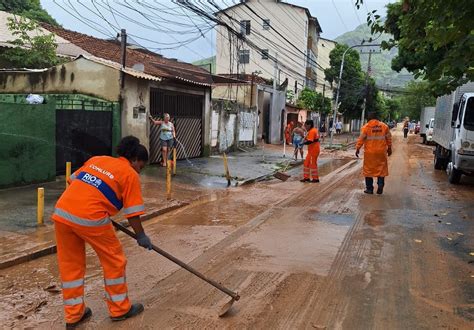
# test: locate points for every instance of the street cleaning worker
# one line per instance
(99, 189)
(310, 166)
(376, 138)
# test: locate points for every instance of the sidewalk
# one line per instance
(23, 240)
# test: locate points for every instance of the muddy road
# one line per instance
(314, 256)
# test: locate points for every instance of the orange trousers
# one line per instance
(310, 166)
(72, 267)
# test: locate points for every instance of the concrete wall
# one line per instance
(77, 77)
(243, 94)
(28, 143)
(136, 92)
(291, 22)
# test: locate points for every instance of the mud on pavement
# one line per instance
(318, 256)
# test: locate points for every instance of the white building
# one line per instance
(277, 31)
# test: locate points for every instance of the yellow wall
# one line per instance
(81, 76)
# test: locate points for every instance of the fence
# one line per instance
(28, 147)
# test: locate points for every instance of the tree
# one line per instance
(33, 49)
(434, 39)
(417, 95)
(394, 108)
(353, 89)
(27, 8)
(314, 101)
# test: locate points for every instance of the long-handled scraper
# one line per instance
(225, 308)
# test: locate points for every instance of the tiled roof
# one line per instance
(154, 64)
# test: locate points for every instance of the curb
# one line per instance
(51, 248)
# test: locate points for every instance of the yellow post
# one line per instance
(168, 179)
(226, 168)
(174, 161)
(40, 210)
(68, 172)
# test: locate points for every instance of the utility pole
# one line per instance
(123, 55)
(336, 104)
(274, 96)
(366, 92)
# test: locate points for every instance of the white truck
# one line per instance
(427, 118)
(453, 133)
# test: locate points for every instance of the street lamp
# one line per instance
(336, 105)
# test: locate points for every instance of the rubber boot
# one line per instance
(134, 310)
(87, 314)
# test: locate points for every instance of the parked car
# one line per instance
(429, 132)
(427, 114)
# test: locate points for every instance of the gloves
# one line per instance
(357, 153)
(389, 151)
(144, 241)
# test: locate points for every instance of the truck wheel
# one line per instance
(454, 175)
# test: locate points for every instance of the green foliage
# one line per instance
(435, 40)
(314, 101)
(380, 62)
(33, 49)
(393, 108)
(417, 95)
(28, 8)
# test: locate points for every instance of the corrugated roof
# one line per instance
(154, 64)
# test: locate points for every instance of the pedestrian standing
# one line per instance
(405, 127)
(98, 190)
(338, 127)
(322, 130)
(310, 166)
(298, 137)
(377, 141)
(288, 131)
(167, 136)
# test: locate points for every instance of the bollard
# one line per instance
(68, 173)
(40, 209)
(174, 161)
(168, 180)
(226, 168)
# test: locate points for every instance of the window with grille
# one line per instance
(266, 24)
(244, 56)
(264, 54)
(245, 27)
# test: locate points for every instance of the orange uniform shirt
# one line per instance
(313, 135)
(99, 189)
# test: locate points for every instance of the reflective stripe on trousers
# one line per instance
(81, 221)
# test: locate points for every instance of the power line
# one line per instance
(340, 17)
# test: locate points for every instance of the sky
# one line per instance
(166, 28)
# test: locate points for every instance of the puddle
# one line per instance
(335, 219)
(331, 165)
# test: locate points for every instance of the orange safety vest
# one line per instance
(99, 189)
(313, 148)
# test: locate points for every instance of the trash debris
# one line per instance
(53, 289)
(471, 254)
(460, 234)
(418, 241)
(448, 223)
(449, 238)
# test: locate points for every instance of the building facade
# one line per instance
(280, 42)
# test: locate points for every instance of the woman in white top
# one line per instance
(167, 136)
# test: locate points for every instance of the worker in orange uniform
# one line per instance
(99, 189)
(310, 169)
(377, 141)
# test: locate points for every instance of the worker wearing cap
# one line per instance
(310, 166)
(377, 141)
(99, 189)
